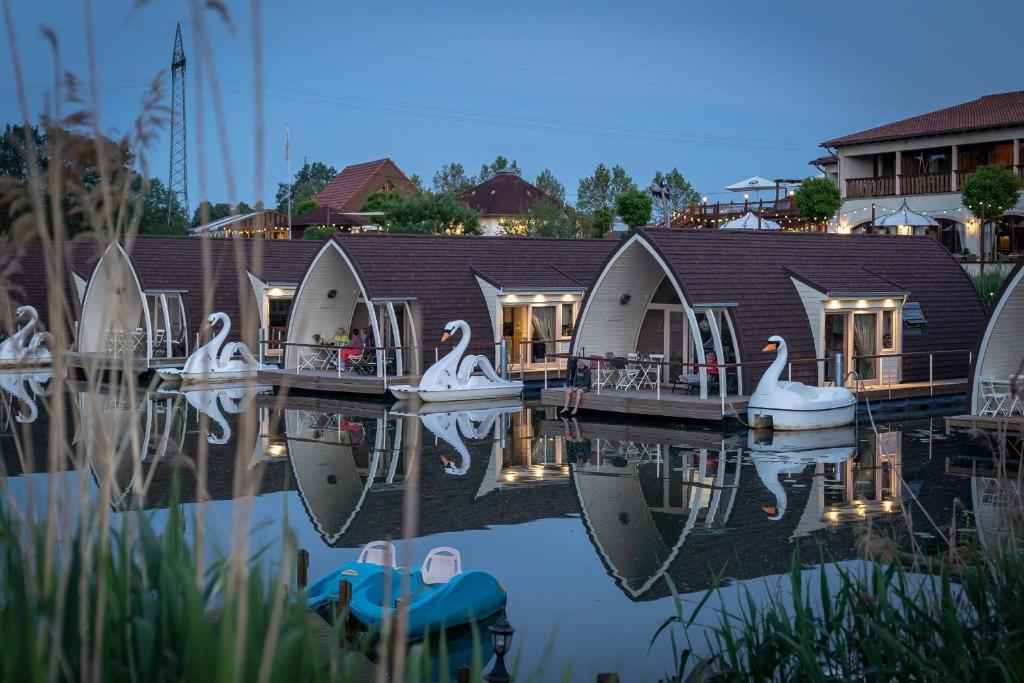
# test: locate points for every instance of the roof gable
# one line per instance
(504, 194)
(349, 189)
(991, 111)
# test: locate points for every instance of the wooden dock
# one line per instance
(330, 382)
(1011, 424)
(646, 402)
(886, 392)
(650, 434)
(103, 362)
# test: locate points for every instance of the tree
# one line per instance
(452, 178)
(635, 207)
(318, 232)
(989, 193)
(544, 218)
(304, 206)
(680, 194)
(547, 182)
(500, 164)
(600, 222)
(206, 212)
(817, 199)
(423, 213)
(153, 198)
(309, 181)
(602, 188)
(417, 182)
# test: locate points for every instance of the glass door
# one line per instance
(835, 342)
(865, 345)
(542, 333)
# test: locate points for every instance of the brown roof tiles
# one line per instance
(348, 190)
(504, 194)
(991, 111)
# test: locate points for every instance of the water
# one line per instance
(580, 521)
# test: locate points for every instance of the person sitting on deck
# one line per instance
(354, 347)
(341, 337)
(580, 383)
(692, 379)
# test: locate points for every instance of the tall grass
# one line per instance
(988, 285)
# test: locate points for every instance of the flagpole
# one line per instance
(288, 165)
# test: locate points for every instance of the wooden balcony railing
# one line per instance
(882, 186)
(925, 183)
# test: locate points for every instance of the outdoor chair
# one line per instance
(994, 397)
(310, 359)
(629, 376)
(652, 371)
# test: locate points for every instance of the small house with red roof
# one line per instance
(924, 161)
(502, 200)
(347, 191)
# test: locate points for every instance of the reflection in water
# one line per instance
(614, 507)
(24, 388)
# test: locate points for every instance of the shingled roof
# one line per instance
(176, 263)
(23, 277)
(504, 194)
(753, 270)
(991, 111)
(348, 190)
(440, 273)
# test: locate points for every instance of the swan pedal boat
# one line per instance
(796, 406)
(453, 377)
(436, 601)
(25, 349)
(214, 361)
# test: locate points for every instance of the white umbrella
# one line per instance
(754, 184)
(751, 222)
(905, 217)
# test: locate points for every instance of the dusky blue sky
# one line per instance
(721, 90)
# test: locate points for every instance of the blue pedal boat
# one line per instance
(375, 560)
(440, 595)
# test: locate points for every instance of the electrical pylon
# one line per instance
(177, 178)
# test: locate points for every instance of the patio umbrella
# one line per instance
(906, 221)
(754, 184)
(750, 222)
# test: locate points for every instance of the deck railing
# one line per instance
(881, 186)
(386, 355)
(925, 183)
(597, 363)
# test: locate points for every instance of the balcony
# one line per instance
(921, 183)
(883, 186)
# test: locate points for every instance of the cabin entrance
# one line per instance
(167, 325)
(534, 332)
(869, 341)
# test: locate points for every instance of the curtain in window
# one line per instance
(864, 345)
(543, 329)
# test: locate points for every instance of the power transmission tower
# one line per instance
(177, 180)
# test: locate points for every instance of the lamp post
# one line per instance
(501, 639)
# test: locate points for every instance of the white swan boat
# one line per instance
(14, 383)
(476, 421)
(792, 405)
(775, 453)
(454, 378)
(215, 361)
(23, 348)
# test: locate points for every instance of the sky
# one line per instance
(721, 90)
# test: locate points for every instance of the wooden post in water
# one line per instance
(462, 675)
(341, 607)
(608, 678)
(302, 568)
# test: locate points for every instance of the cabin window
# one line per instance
(568, 319)
(888, 340)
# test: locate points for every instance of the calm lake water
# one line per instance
(581, 521)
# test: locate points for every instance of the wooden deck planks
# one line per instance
(941, 387)
(348, 383)
(681, 406)
(670, 436)
(1012, 424)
